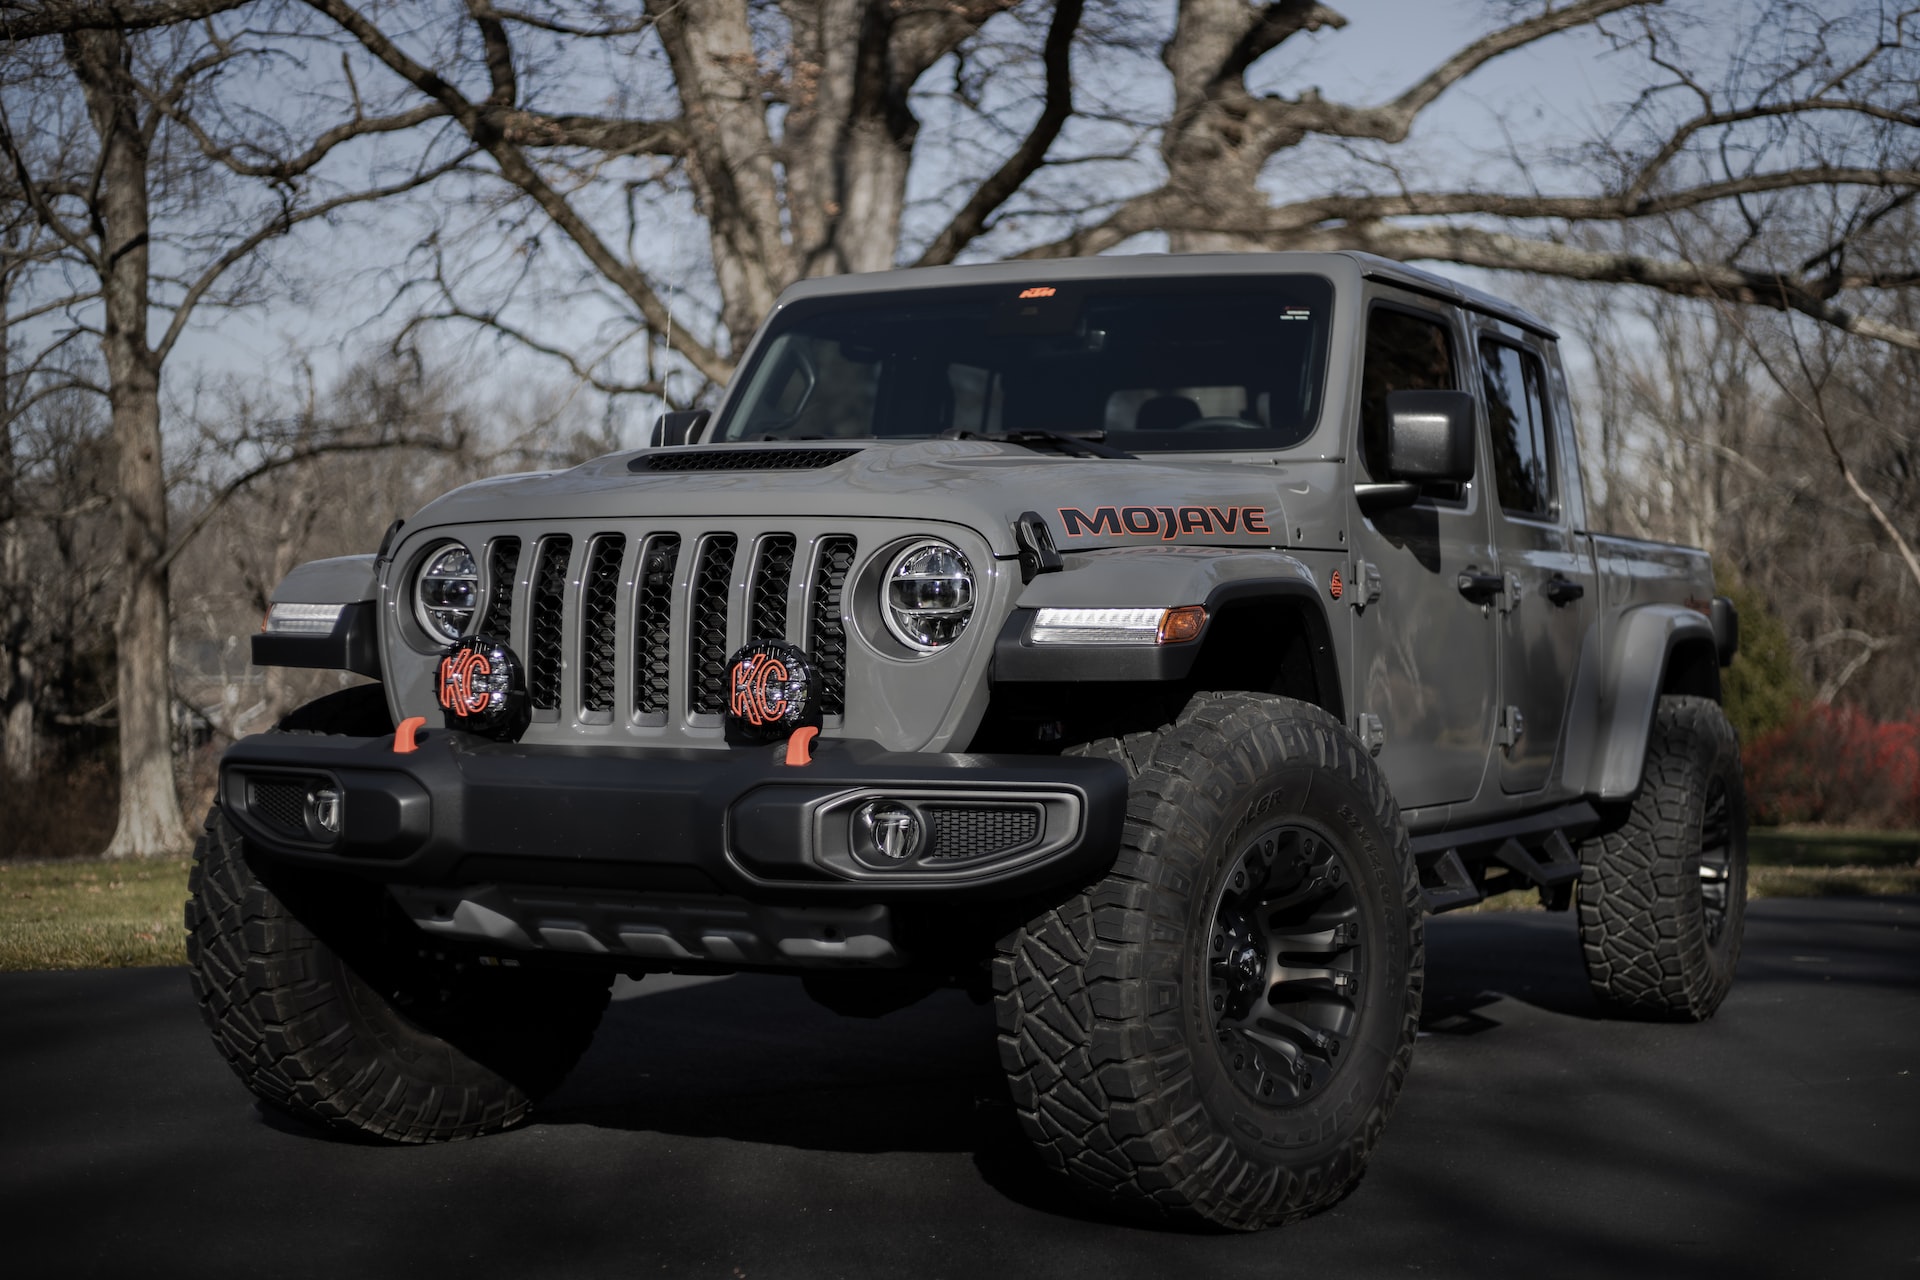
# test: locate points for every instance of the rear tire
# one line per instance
(1217, 1030)
(1663, 898)
(330, 1005)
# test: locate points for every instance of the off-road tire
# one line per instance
(331, 1006)
(1656, 944)
(1107, 1032)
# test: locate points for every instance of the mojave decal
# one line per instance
(1165, 523)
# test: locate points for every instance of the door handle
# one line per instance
(1480, 587)
(1562, 590)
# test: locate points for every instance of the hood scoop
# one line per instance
(738, 459)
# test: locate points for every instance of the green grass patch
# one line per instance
(92, 914)
(1830, 882)
(1831, 847)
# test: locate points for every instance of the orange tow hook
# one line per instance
(800, 745)
(403, 736)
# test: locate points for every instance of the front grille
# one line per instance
(712, 582)
(635, 625)
(599, 596)
(827, 637)
(546, 623)
(772, 575)
(280, 803)
(739, 459)
(653, 628)
(968, 833)
(503, 559)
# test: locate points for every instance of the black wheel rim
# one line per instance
(1286, 964)
(1716, 859)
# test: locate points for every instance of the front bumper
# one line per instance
(462, 810)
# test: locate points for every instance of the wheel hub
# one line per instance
(1285, 964)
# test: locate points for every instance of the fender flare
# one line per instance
(1146, 579)
(1633, 675)
(352, 582)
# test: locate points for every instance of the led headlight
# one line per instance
(927, 596)
(447, 592)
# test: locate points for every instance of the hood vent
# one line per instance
(739, 459)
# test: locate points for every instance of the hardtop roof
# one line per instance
(1351, 266)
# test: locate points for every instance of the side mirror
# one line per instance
(677, 427)
(1430, 435)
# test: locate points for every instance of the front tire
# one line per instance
(1217, 1030)
(330, 1005)
(1663, 898)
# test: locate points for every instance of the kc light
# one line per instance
(927, 596)
(1118, 626)
(447, 592)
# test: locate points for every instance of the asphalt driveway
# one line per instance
(730, 1128)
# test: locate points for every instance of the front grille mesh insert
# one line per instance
(712, 583)
(503, 561)
(599, 599)
(827, 641)
(772, 575)
(280, 803)
(653, 628)
(971, 832)
(546, 620)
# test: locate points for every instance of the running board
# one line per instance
(1536, 848)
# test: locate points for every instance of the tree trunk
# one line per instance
(150, 820)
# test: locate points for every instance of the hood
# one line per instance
(984, 485)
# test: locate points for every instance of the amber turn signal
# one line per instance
(1183, 623)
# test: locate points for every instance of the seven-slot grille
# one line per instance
(656, 598)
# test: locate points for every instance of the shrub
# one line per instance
(1835, 765)
(1762, 690)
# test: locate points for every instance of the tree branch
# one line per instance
(57, 19)
(1057, 106)
(484, 127)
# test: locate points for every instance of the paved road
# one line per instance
(731, 1129)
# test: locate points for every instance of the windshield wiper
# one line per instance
(1091, 445)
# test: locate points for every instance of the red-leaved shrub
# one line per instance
(1836, 765)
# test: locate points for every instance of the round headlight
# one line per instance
(928, 596)
(447, 592)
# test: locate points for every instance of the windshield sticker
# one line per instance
(1165, 523)
(1038, 291)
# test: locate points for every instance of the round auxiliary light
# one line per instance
(447, 592)
(887, 833)
(927, 596)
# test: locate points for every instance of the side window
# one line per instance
(1516, 390)
(1405, 352)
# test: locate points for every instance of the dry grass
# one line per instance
(92, 914)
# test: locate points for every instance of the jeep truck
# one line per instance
(1146, 644)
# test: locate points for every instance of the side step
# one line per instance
(1546, 861)
(1553, 865)
(1445, 884)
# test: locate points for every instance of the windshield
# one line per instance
(1232, 362)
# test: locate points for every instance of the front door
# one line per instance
(1424, 662)
(1547, 573)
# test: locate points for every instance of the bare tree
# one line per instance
(157, 221)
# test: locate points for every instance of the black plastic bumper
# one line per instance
(462, 810)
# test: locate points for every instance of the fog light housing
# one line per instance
(887, 833)
(323, 813)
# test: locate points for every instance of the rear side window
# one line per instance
(1516, 388)
(1405, 352)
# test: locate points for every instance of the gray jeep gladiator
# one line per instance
(1145, 644)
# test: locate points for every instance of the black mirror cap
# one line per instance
(678, 426)
(1726, 629)
(1430, 435)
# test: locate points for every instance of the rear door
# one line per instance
(1548, 595)
(1424, 661)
